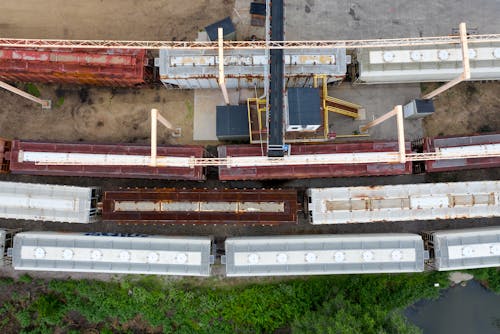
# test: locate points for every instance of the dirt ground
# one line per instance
(472, 107)
(110, 19)
(103, 114)
(97, 114)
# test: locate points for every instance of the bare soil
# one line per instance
(97, 114)
(471, 107)
(110, 19)
(103, 114)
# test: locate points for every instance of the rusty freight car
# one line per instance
(103, 67)
(313, 171)
(24, 157)
(201, 206)
(477, 143)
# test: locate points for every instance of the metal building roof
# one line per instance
(232, 123)
(324, 254)
(304, 106)
(118, 253)
(417, 64)
(245, 68)
(404, 202)
(47, 202)
(467, 248)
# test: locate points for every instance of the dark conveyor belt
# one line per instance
(275, 148)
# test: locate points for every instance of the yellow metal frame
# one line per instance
(259, 103)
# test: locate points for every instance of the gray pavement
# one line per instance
(376, 100)
(364, 19)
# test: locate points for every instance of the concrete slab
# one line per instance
(205, 103)
(364, 19)
(376, 100)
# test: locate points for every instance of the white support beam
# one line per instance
(248, 45)
(222, 79)
(154, 123)
(465, 64)
(46, 104)
(379, 120)
(90, 159)
(401, 134)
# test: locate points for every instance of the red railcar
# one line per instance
(201, 206)
(18, 166)
(313, 171)
(434, 144)
(104, 67)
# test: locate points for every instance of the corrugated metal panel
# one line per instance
(464, 249)
(324, 254)
(193, 69)
(201, 206)
(312, 171)
(419, 64)
(107, 67)
(115, 253)
(2, 245)
(47, 202)
(404, 202)
(17, 166)
(470, 142)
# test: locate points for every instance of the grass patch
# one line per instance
(190, 109)
(32, 89)
(25, 278)
(59, 102)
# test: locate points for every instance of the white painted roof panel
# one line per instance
(47, 202)
(467, 248)
(323, 254)
(139, 254)
(404, 202)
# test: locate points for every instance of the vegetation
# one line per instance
(322, 304)
(32, 89)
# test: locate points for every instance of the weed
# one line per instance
(25, 278)
(32, 89)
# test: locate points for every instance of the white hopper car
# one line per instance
(112, 253)
(48, 202)
(406, 202)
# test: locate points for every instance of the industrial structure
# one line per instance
(48, 202)
(286, 134)
(112, 253)
(426, 201)
(464, 249)
(324, 254)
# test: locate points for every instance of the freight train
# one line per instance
(24, 157)
(342, 205)
(191, 69)
(252, 256)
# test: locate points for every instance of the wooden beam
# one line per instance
(154, 119)
(379, 120)
(222, 80)
(465, 65)
(46, 104)
(401, 134)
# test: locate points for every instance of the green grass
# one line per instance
(32, 89)
(319, 304)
